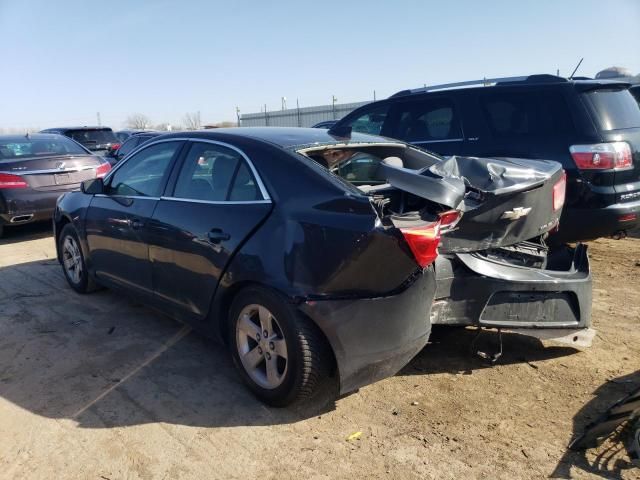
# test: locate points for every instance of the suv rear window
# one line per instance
(614, 109)
(91, 138)
(526, 113)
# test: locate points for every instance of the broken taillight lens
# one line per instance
(602, 156)
(423, 242)
(559, 192)
(102, 170)
(8, 180)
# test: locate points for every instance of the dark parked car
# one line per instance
(123, 135)
(129, 145)
(35, 170)
(325, 124)
(635, 91)
(99, 140)
(592, 127)
(249, 236)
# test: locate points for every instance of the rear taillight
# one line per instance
(114, 147)
(559, 192)
(602, 156)
(449, 219)
(8, 180)
(423, 242)
(102, 170)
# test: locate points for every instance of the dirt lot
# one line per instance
(99, 387)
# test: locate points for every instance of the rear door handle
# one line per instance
(136, 223)
(216, 235)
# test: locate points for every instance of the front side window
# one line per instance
(215, 173)
(427, 121)
(370, 122)
(144, 174)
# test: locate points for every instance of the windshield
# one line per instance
(615, 109)
(11, 149)
(93, 138)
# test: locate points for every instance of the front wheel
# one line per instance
(73, 262)
(280, 354)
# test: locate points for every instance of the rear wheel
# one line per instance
(73, 262)
(280, 354)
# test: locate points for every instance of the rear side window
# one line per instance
(614, 109)
(215, 173)
(526, 113)
(428, 121)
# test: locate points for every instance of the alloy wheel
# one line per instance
(261, 346)
(72, 259)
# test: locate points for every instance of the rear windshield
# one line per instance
(13, 149)
(92, 138)
(614, 109)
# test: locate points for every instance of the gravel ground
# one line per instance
(100, 387)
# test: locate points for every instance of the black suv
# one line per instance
(99, 140)
(592, 127)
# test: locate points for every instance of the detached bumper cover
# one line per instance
(374, 338)
(473, 290)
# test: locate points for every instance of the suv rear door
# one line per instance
(431, 122)
(617, 119)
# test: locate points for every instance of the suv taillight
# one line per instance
(559, 192)
(102, 170)
(7, 180)
(602, 156)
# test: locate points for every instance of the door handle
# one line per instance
(136, 223)
(217, 235)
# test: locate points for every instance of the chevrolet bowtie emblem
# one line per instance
(516, 213)
(60, 165)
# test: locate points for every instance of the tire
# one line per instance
(74, 265)
(287, 366)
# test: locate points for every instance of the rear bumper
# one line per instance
(31, 204)
(473, 290)
(373, 338)
(588, 224)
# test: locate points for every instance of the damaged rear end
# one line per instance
(493, 267)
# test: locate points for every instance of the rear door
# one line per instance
(432, 123)
(215, 202)
(117, 222)
(617, 118)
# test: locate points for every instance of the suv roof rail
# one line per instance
(485, 82)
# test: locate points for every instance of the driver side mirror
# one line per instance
(92, 186)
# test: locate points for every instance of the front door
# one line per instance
(117, 221)
(216, 203)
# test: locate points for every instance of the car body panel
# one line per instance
(281, 244)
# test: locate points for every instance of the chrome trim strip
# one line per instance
(263, 189)
(438, 141)
(222, 202)
(51, 170)
(139, 197)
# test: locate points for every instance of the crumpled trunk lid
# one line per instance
(503, 200)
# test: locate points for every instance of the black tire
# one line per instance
(82, 282)
(307, 352)
(1, 230)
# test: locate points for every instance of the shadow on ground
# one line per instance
(105, 361)
(453, 350)
(30, 231)
(607, 463)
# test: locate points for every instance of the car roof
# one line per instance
(284, 137)
(524, 81)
